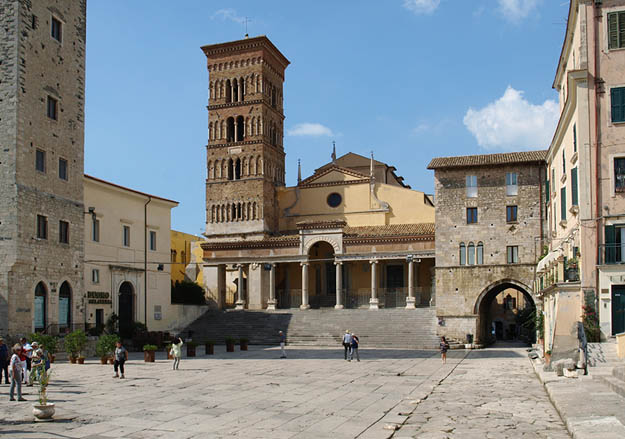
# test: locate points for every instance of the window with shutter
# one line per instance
(563, 204)
(574, 196)
(619, 174)
(548, 191)
(616, 30)
(617, 96)
(610, 244)
(574, 137)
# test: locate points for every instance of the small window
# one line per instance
(512, 254)
(512, 187)
(126, 236)
(563, 162)
(56, 29)
(471, 215)
(574, 193)
(480, 253)
(574, 137)
(617, 96)
(334, 200)
(63, 232)
(463, 254)
(40, 160)
(63, 169)
(42, 227)
(471, 186)
(52, 108)
(563, 204)
(471, 253)
(511, 214)
(616, 30)
(152, 240)
(619, 174)
(173, 256)
(95, 276)
(95, 230)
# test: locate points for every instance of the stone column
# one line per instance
(373, 302)
(272, 302)
(236, 134)
(339, 285)
(304, 304)
(240, 303)
(410, 300)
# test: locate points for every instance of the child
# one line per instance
(444, 348)
(176, 351)
(16, 373)
(121, 355)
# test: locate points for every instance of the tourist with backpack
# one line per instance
(121, 356)
(354, 348)
(347, 342)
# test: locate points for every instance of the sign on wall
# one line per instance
(99, 298)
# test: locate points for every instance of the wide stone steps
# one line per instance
(325, 327)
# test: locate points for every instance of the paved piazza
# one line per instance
(491, 393)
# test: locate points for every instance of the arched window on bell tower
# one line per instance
(230, 169)
(228, 92)
(237, 169)
(230, 129)
(240, 131)
(235, 90)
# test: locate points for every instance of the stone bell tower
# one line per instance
(245, 151)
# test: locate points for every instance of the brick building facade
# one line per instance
(41, 164)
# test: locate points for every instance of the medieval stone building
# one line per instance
(42, 46)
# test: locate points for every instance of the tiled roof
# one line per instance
(488, 159)
(390, 230)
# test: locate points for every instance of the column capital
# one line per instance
(304, 263)
(373, 261)
(338, 262)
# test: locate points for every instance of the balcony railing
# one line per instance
(611, 254)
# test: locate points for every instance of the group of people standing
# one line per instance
(24, 365)
(350, 344)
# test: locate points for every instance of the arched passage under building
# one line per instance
(126, 310)
(505, 311)
(322, 275)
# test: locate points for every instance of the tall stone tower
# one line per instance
(42, 92)
(245, 151)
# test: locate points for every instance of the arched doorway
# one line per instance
(322, 275)
(41, 312)
(506, 311)
(65, 307)
(126, 309)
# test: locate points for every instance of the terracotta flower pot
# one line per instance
(190, 350)
(104, 360)
(243, 345)
(81, 360)
(229, 347)
(111, 360)
(148, 356)
(52, 358)
(72, 359)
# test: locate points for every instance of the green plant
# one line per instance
(139, 327)
(43, 376)
(111, 324)
(150, 347)
(231, 340)
(540, 324)
(244, 340)
(75, 342)
(188, 293)
(210, 342)
(548, 352)
(49, 342)
(106, 345)
(192, 344)
(591, 324)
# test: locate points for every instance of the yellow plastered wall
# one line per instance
(181, 253)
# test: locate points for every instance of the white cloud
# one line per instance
(511, 122)
(309, 129)
(228, 14)
(516, 10)
(421, 6)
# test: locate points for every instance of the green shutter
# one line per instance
(548, 191)
(621, 29)
(612, 31)
(610, 244)
(563, 204)
(574, 201)
(618, 104)
(574, 137)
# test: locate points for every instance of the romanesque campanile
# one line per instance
(245, 151)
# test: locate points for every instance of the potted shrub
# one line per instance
(149, 351)
(191, 349)
(105, 347)
(230, 341)
(243, 342)
(49, 343)
(75, 342)
(44, 410)
(210, 347)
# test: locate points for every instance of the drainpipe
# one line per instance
(596, 35)
(145, 260)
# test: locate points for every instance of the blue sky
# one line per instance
(407, 79)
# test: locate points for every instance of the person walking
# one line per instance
(24, 360)
(4, 361)
(347, 342)
(16, 374)
(176, 351)
(36, 363)
(282, 344)
(121, 356)
(354, 348)
(444, 348)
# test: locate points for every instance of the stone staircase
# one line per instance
(399, 328)
(605, 366)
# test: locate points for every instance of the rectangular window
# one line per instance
(63, 169)
(511, 214)
(95, 230)
(617, 96)
(126, 236)
(512, 254)
(56, 29)
(40, 160)
(619, 175)
(95, 276)
(563, 204)
(574, 137)
(63, 232)
(574, 196)
(512, 187)
(548, 194)
(471, 215)
(42, 227)
(616, 30)
(563, 162)
(152, 241)
(52, 108)
(471, 186)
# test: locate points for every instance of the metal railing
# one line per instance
(611, 254)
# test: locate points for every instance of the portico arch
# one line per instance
(322, 274)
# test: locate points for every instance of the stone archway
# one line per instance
(502, 312)
(322, 278)
(65, 307)
(126, 308)
(41, 307)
